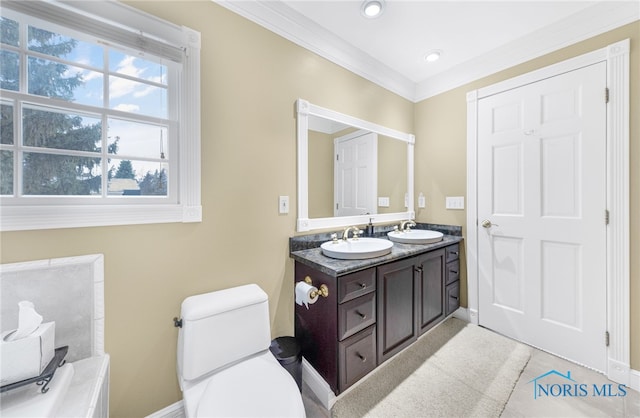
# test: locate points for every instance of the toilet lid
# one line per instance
(258, 387)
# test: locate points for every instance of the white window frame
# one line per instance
(188, 206)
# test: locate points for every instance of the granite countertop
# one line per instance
(306, 250)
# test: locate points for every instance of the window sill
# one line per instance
(23, 218)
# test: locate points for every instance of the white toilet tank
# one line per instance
(220, 328)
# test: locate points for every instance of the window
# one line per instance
(99, 124)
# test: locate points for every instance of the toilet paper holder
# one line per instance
(323, 290)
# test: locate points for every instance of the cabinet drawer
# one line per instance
(453, 252)
(356, 315)
(357, 284)
(452, 272)
(452, 299)
(357, 357)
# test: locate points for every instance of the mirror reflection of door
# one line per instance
(355, 173)
(390, 177)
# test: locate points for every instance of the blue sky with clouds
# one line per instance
(135, 86)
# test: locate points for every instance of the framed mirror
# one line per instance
(351, 171)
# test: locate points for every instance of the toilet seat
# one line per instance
(259, 386)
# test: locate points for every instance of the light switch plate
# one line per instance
(455, 202)
(283, 204)
(383, 202)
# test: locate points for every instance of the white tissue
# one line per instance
(28, 321)
(27, 357)
(303, 294)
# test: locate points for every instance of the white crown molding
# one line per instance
(597, 19)
(288, 23)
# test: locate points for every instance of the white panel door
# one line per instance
(541, 210)
(356, 174)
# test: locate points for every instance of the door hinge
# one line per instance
(606, 216)
(606, 338)
(606, 95)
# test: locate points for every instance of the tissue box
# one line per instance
(27, 357)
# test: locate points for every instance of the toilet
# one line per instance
(225, 368)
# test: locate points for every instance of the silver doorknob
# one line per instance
(487, 224)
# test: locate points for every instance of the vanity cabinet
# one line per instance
(372, 314)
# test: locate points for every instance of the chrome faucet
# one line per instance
(354, 230)
(406, 225)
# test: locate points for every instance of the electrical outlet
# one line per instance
(283, 204)
(455, 202)
(422, 201)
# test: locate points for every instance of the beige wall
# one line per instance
(250, 81)
(441, 142)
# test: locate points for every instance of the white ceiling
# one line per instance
(477, 37)
(407, 30)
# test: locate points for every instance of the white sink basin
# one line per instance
(416, 236)
(357, 249)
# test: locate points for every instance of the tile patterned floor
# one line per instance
(522, 402)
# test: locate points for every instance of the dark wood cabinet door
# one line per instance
(397, 303)
(431, 300)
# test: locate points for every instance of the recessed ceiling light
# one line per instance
(372, 8)
(432, 56)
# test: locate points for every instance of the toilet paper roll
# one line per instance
(303, 294)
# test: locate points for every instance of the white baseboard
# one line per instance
(618, 372)
(175, 410)
(634, 380)
(318, 385)
(462, 314)
(473, 316)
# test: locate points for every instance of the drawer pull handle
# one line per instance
(453, 271)
(361, 315)
(454, 252)
(453, 297)
(363, 285)
(361, 357)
